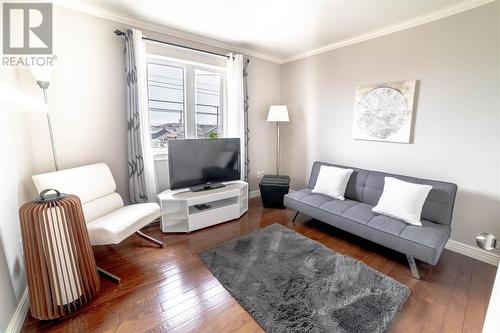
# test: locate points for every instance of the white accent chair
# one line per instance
(108, 220)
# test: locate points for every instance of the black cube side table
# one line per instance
(272, 190)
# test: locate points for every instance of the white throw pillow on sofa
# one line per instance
(402, 200)
(332, 181)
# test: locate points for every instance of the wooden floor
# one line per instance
(170, 290)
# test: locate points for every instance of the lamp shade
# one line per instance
(41, 73)
(278, 113)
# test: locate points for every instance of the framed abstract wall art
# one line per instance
(384, 112)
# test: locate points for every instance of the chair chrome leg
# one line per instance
(413, 267)
(295, 217)
(149, 238)
(109, 275)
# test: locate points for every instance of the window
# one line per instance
(208, 104)
(166, 103)
(185, 101)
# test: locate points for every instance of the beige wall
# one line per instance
(457, 125)
(263, 90)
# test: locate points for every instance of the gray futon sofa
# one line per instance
(355, 214)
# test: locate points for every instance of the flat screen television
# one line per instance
(198, 163)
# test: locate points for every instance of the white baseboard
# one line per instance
(489, 257)
(254, 194)
(17, 320)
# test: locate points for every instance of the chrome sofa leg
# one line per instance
(109, 275)
(295, 217)
(149, 238)
(413, 267)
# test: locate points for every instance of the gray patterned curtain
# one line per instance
(142, 182)
(237, 106)
(246, 106)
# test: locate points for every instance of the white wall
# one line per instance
(88, 96)
(457, 125)
(16, 167)
(87, 99)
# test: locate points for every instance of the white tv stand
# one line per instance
(179, 214)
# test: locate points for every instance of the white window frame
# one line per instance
(189, 68)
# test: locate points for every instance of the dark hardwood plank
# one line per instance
(171, 290)
(230, 321)
(206, 316)
(476, 300)
(455, 314)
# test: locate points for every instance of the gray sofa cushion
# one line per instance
(316, 199)
(361, 213)
(388, 224)
(425, 243)
(429, 234)
(338, 206)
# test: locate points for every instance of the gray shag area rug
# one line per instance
(290, 283)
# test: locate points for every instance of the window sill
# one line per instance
(160, 155)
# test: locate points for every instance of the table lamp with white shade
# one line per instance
(278, 114)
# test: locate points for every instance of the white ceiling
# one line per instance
(281, 29)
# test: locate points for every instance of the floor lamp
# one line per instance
(61, 271)
(42, 75)
(278, 114)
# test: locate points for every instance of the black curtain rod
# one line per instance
(121, 33)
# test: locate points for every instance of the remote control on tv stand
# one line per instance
(202, 206)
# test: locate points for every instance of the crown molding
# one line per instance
(403, 25)
(159, 28)
(97, 11)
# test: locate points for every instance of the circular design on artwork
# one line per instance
(382, 112)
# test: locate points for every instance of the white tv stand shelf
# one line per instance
(179, 214)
